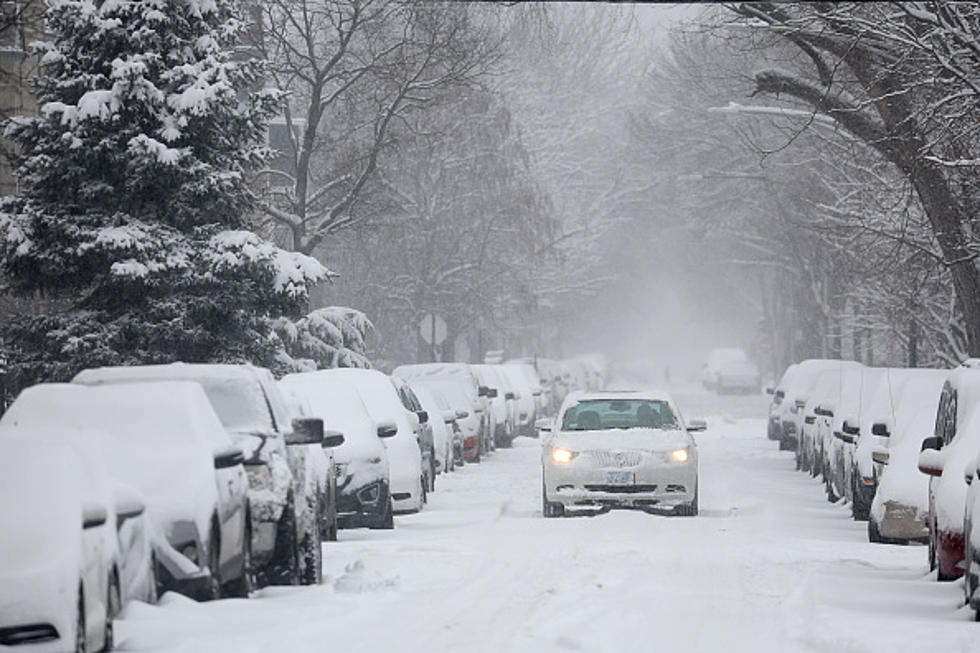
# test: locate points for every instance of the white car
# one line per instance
(620, 450)
(167, 443)
(57, 590)
(408, 492)
(441, 417)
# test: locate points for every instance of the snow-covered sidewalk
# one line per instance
(769, 565)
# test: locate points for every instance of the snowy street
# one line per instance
(768, 565)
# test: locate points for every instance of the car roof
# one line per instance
(651, 394)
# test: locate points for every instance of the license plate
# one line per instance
(619, 478)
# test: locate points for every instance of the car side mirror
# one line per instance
(93, 514)
(932, 442)
(332, 439)
(770, 390)
(824, 410)
(970, 471)
(543, 425)
(492, 393)
(536, 393)
(449, 416)
(306, 430)
(128, 503)
(510, 395)
(483, 391)
(387, 429)
(696, 424)
(810, 419)
(228, 456)
(423, 416)
(881, 429)
(462, 414)
(844, 437)
(932, 462)
(850, 427)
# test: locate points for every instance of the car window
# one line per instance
(240, 404)
(608, 414)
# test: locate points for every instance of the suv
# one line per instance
(288, 474)
(425, 436)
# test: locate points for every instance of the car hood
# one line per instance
(644, 439)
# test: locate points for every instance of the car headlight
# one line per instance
(562, 456)
(679, 455)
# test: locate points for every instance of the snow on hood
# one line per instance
(339, 405)
(158, 432)
(645, 439)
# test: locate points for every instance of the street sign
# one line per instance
(432, 328)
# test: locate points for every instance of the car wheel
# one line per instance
(245, 584)
(213, 589)
(550, 509)
(874, 535)
(311, 555)
(113, 606)
(423, 492)
(432, 471)
(689, 509)
(81, 644)
(284, 566)
(387, 520)
(932, 547)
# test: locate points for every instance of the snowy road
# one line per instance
(769, 565)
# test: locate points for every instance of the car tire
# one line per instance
(81, 643)
(689, 509)
(432, 471)
(550, 509)
(311, 556)
(387, 520)
(113, 606)
(283, 569)
(245, 584)
(874, 534)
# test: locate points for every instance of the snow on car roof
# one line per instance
(652, 394)
(176, 371)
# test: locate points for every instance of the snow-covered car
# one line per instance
(817, 412)
(57, 588)
(127, 522)
(423, 431)
(717, 358)
(441, 419)
(541, 394)
(944, 458)
(158, 433)
(774, 419)
(796, 394)
(900, 506)
(406, 476)
(363, 490)
(737, 377)
(478, 426)
(857, 392)
(620, 450)
(466, 426)
(287, 471)
(501, 410)
(971, 538)
(526, 401)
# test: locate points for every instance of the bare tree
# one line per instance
(352, 70)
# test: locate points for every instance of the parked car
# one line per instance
(501, 410)
(160, 432)
(287, 473)
(441, 420)
(900, 506)
(467, 421)
(619, 450)
(944, 458)
(364, 494)
(127, 523)
(478, 399)
(541, 394)
(527, 407)
(796, 393)
(971, 541)
(57, 589)
(857, 391)
(407, 478)
(423, 431)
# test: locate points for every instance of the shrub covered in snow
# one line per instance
(334, 336)
(136, 194)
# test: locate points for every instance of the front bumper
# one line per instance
(362, 506)
(653, 484)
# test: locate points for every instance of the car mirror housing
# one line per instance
(543, 424)
(697, 424)
(332, 439)
(881, 429)
(850, 426)
(932, 462)
(880, 456)
(306, 430)
(93, 514)
(510, 395)
(932, 442)
(462, 414)
(423, 416)
(229, 456)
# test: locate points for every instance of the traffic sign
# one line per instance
(432, 328)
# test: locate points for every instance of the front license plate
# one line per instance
(619, 478)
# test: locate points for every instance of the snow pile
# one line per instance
(356, 579)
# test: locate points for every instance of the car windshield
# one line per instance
(607, 414)
(240, 403)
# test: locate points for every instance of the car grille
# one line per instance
(621, 489)
(616, 458)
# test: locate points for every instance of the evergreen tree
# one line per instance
(136, 194)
